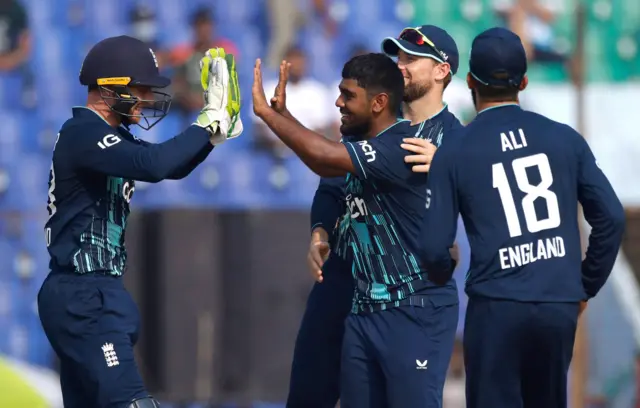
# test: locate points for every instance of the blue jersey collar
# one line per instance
(397, 121)
(505, 105)
(445, 108)
(88, 113)
(422, 124)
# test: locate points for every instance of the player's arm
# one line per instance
(109, 153)
(438, 231)
(105, 151)
(328, 203)
(378, 158)
(604, 212)
(186, 169)
(324, 157)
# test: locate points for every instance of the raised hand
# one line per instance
(260, 104)
(279, 100)
(220, 115)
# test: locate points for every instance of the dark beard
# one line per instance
(357, 130)
(413, 92)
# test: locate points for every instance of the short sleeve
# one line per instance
(380, 158)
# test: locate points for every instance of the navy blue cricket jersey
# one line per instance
(516, 178)
(385, 205)
(91, 183)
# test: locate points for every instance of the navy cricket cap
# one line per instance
(498, 58)
(122, 60)
(425, 41)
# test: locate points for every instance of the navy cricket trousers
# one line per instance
(92, 324)
(397, 358)
(517, 354)
(315, 370)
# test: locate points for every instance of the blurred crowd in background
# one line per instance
(255, 184)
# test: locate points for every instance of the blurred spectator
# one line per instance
(186, 82)
(321, 11)
(307, 99)
(144, 26)
(532, 20)
(15, 39)
(285, 17)
(454, 388)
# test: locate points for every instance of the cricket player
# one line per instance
(516, 178)
(400, 321)
(315, 370)
(88, 316)
(315, 367)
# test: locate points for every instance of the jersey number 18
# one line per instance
(520, 166)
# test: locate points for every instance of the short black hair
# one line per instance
(491, 93)
(497, 94)
(377, 73)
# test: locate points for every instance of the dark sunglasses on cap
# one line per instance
(416, 37)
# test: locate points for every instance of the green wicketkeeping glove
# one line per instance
(221, 112)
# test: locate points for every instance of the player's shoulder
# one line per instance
(450, 120)
(452, 127)
(455, 140)
(438, 127)
(540, 118)
(560, 126)
(85, 124)
(400, 129)
(86, 130)
(560, 132)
